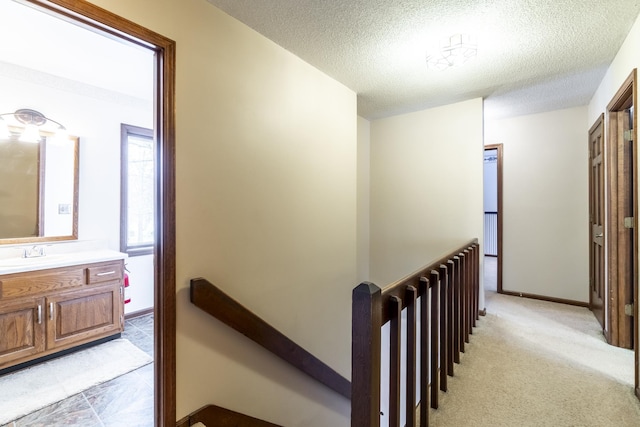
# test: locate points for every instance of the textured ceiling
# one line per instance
(533, 55)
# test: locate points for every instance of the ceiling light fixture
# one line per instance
(454, 51)
(32, 123)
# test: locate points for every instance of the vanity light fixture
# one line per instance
(452, 52)
(33, 123)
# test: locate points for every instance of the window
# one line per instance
(137, 229)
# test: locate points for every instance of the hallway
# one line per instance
(537, 363)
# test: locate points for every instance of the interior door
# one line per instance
(626, 208)
(596, 219)
(622, 248)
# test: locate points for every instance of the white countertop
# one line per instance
(19, 265)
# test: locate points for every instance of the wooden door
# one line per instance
(596, 221)
(22, 326)
(81, 316)
(622, 247)
(626, 235)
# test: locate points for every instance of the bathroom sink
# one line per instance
(42, 260)
(55, 260)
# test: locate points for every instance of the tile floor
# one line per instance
(126, 401)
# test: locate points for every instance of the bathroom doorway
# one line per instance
(161, 53)
(493, 218)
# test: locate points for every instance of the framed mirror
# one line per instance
(38, 190)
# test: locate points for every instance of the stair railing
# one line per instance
(215, 416)
(212, 300)
(446, 292)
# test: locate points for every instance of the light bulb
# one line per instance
(30, 134)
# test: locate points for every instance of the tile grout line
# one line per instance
(93, 409)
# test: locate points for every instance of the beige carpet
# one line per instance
(533, 363)
(30, 389)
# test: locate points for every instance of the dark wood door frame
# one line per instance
(100, 20)
(622, 241)
(498, 148)
(597, 201)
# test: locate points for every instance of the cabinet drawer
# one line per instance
(35, 283)
(106, 272)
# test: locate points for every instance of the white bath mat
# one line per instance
(33, 388)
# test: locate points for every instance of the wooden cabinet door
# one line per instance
(81, 316)
(22, 325)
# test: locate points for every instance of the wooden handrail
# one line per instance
(397, 288)
(215, 416)
(212, 300)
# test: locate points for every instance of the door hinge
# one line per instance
(628, 222)
(628, 135)
(628, 309)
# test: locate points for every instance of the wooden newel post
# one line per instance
(365, 355)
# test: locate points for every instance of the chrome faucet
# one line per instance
(36, 251)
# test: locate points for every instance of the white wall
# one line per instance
(266, 209)
(426, 194)
(624, 62)
(364, 160)
(545, 202)
(426, 187)
(58, 179)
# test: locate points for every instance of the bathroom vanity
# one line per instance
(58, 302)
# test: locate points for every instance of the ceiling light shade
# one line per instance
(29, 123)
(454, 51)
